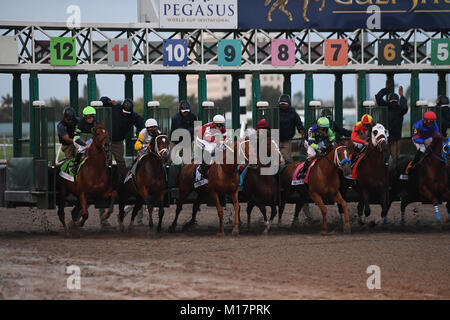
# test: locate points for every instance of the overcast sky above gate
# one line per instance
(113, 85)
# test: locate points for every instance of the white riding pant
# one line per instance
(312, 152)
(358, 145)
(208, 146)
(421, 146)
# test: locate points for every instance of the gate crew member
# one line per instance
(320, 136)
(443, 103)
(84, 134)
(333, 125)
(184, 119)
(212, 133)
(66, 132)
(361, 135)
(289, 121)
(123, 119)
(397, 108)
(424, 131)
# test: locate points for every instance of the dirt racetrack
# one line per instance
(289, 263)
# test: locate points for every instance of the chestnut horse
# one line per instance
(323, 184)
(429, 180)
(223, 178)
(149, 185)
(93, 180)
(261, 190)
(372, 174)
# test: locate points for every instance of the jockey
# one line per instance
(147, 134)
(319, 136)
(361, 134)
(206, 139)
(423, 132)
(83, 134)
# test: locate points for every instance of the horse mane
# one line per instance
(436, 141)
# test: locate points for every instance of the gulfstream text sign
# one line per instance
(191, 14)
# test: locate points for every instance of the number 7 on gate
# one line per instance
(336, 52)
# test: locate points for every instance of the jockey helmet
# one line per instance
(367, 119)
(106, 101)
(262, 124)
(185, 106)
(284, 99)
(442, 101)
(430, 115)
(89, 111)
(218, 118)
(127, 106)
(151, 123)
(323, 122)
(69, 113)
(393, 97)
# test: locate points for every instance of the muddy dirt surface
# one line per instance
(290, 263)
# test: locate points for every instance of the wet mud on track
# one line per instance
(289, 263)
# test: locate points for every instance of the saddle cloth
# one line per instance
(199, 180)
(355, 166)
(295, 180)
(404, 176)
(66, 169)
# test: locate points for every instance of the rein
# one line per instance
(157, 150)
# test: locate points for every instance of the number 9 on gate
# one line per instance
(229, 53)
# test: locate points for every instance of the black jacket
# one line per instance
(289, 120)
(445, 121)
(121, 123)
(342, 131)
(395, 120)
(180, 122)
(66, 129)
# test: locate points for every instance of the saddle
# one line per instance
(355, 165)
(132, 172)
(296, 181)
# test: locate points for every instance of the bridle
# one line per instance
(444, 154)
(162, 151)
(338, 162)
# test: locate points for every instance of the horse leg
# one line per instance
(84, 211)
(384, 207)
(343, 204)
(322, 6)
(360, 208)
(137, 206)
(195, 209)
(76, 211)
(365, 196)
(61, 204)
(250, 206)
(110, 194)
(404, 203)
(180, 202)
(273, 213)
(121, 214)
(298, 208)
(262, 208)
(308, 215)
(160, 204)
(216, 200)
(234, 198)
(319, 202)
(427, 193)
(284, 196)
(305, 9)
(285, 11)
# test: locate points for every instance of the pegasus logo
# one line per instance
(281, 5)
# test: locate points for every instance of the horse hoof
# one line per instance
(265, 232)
(106, 215)
(347, 230)
(121, 227)
(235, 233)
(220, 234)
(438, 226)
(446, 220)
(171, 229)
(323, 233)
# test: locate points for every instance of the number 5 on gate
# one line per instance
(336, 52)
(440, 51)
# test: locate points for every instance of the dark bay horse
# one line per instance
(372, 174)
(261, 190)
(149, 185)
(323, 184)
(223, 179)
(93, 180)
(428, 181)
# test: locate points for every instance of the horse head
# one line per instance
(379, 137)
(161, 146)
(440, 148)
(101, 137)
(341, 159)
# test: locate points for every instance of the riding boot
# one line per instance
(304, 170)
(354, 156)
(76, 162)
(416, 159)
(204, 170)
